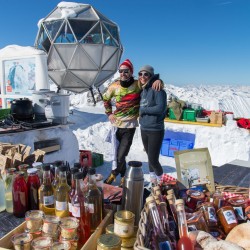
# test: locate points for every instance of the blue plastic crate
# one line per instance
(184, 145)
(165, 147)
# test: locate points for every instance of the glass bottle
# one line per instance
(19, 195)
(8, 189)
(160, 240)
(57, 165)
(184, 242)
(61, 194)
(46, 193)
(2, 194)
(39, 167)
(23, 168)
(33, 184)
(172, 208)
(94, 200)
(79, 210)
(72, 189)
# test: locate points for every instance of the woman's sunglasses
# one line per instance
(125, 71)
(146, 74)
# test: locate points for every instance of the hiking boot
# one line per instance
(122, 182)
(110, 179)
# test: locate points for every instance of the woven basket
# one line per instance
(144, 225)
(232, 191)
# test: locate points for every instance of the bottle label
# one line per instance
(211, 214)
(48, 200)
(239, 213)
(91, 208)
(229, 216)
(76, 210)
(61, 205)
(164, 245)
(70, 207)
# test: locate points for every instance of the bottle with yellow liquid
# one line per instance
(46, 193)
(61, 194)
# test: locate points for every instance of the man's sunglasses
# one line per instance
(125, 71)
(146, 74)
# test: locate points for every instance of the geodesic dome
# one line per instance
(83, 46)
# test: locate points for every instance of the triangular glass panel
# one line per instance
(113, 30)
(65, 34)
(103, 18)
(87, 14)
(107, 53)
(87, 76)
(82, 61)
(94, 36)
(55, 14)
(42, 41)
(66, 52)
(53, 27)
(71, 81)
(54, 60)
(94, 52)
(80, 8)
(111, 64)
(107, 38)
(102, 77)
(57, 76)
(80, 27)
(77, 90)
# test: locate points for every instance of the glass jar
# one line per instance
(69, 226)
(227, 218)
(42, 243)
(61, 245)
(108, 242)
(209, 213)
(194, 198)
(196, 221)
(73, 242)
(34, 220)
(22, 241)
(239, 204)
(8, 189)
(51, 225)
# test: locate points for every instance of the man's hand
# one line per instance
(112, 118)
(157, 85)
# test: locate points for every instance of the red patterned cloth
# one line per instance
(167, 178)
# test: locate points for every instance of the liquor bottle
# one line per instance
(94, 199)
(172, 208)
(184, 242)
(160, 240)
(46, 192)
(8, 189)
(33, 184)
(19, 195)
(80, 211)
(72, 189)
(2, 194)
(56, 165)
(61, 194)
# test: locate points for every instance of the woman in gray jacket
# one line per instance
(153, 107)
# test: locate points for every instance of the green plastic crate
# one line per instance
(189, 115)
(97, 159)
(4, 113)
(171, 114)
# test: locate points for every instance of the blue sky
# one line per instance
(186, 41)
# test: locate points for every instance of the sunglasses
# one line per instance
(125, 71)
(146, 74)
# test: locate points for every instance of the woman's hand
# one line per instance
(157, 85)
(112, 118)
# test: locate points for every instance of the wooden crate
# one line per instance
(6, 244)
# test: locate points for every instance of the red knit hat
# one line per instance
(128, 64)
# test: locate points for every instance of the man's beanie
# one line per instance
(128, 64)
(147, 68)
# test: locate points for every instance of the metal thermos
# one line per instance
(132, 199)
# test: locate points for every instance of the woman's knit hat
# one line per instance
(128, 64)
(147, 68)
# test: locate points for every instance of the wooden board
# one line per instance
(193, 123)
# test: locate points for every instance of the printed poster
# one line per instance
(19, 76)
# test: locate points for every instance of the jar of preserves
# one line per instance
(239, 204)
(42, 243)
(194, 198)
(22, 241)
(227, 218)
(34, 220)
(209, 213)
(50, 225)
(109, 242)
(124, 223)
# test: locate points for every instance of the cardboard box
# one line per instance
(216, 117)
(91, 244)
